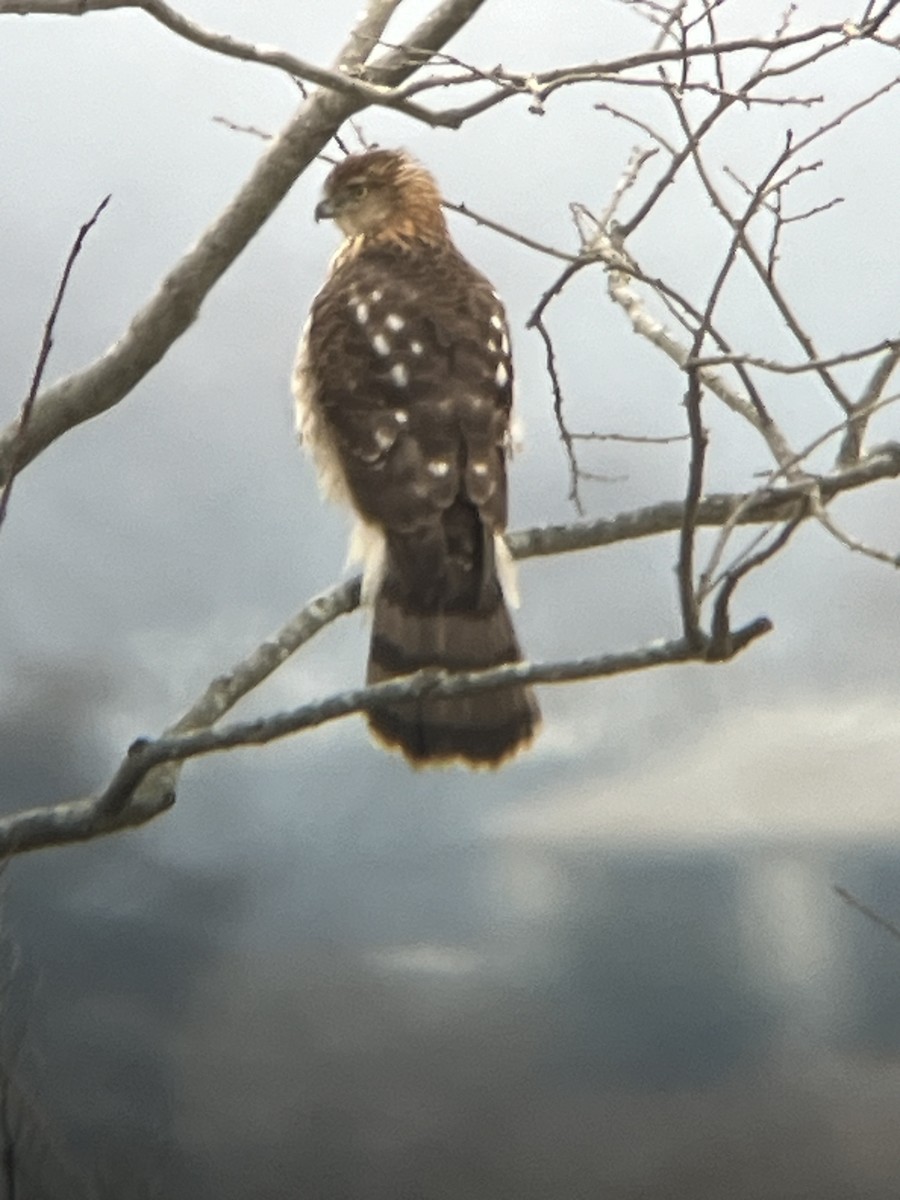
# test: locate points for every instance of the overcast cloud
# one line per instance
(617, 967)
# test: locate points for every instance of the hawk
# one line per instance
(403, 386)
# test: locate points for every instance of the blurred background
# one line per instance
(618, 967)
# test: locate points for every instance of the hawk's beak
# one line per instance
(324, 210)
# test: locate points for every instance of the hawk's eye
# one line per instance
(356, 191)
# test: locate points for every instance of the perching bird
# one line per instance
(403, 386)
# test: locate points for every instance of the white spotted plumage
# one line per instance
(404, 389)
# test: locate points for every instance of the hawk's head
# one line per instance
(383, 195)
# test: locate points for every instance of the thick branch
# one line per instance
(367, 32)
(344, 80)
(175, 306)
(153, 783)
(762, 507)
(83, 819)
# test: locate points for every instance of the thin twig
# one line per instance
(15, 452)
(536, 321)
(632, 438)
(875, 917)
(815, 364)
(751, 256)
(869, 402)
(691, 597)
(720, 626)
(251, 129)
(507, 232)
(690, 609)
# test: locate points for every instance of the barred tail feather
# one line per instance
(482, 729)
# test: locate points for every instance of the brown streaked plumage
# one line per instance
(403, 386)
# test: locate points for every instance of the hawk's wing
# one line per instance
(405, 385)
(407, 372)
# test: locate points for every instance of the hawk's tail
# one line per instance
(456, 629)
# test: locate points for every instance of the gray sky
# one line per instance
(149, 550)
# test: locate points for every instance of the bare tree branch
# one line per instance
(144, 788)
(81, 820)
(43, 355)
(536, 321)
(176, 303)
(687, 593)
(708, 84)
(868, 403)
(621, 271)
(830, 525)
(758, 507)
(367, 32)
(721, 637)
(505, 230)
(875, 917)
(791, 320)
(635, 439)
(892, 345)
(763, 506)
(691, 596)
(347, 79)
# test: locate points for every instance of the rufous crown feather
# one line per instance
(383, 196)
